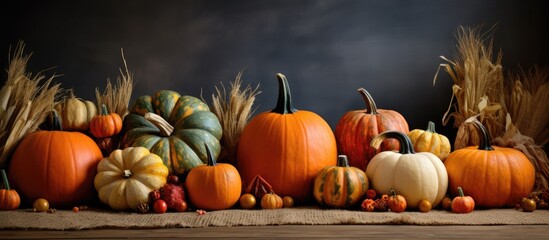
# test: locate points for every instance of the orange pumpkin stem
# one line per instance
(485, 138)
(5, 180)
(284, 103)
(369, 100)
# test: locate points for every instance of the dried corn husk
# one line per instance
(515, 112)
(233, 109)
(117, 98)
(478, 83)
(24, 103)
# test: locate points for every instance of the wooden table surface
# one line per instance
(300, 231)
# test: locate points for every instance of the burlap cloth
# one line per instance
(95, 219)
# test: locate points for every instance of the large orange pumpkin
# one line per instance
(287, 147)
(56, 165)
(493, 176)
(356, 129)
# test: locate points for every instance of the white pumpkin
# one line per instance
(416, 176)
(126, 177)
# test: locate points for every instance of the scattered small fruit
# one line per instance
(528, 205)
(368, 205)
(142, 208)
(371, 194)
(396, 203)
(446, 204)
(425, 206)
(287, 202)
(247, 201)
(75, 209)
(200, 212)
(160, 206)
(41, 205)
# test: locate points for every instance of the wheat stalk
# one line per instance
(117, 98)
(24, 103)
(233, 109)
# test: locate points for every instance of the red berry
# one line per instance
(154, 195)
(160, 206)
(371, 194)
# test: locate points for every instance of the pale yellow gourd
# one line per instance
(126, 177)
(76, 114)
(430, 141)
(416, 176)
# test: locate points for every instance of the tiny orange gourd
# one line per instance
(271, 201)
(105, 124)
(462, 203)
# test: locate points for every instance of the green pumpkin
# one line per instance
(174, 127)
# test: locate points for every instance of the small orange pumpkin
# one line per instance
(271, 201)
(462, 203)
(493, 176)
(105, 124)
(9, 198)
(215, 186)
(396, 202)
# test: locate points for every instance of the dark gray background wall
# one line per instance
(326, 48)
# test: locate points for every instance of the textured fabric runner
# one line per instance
(95, 219)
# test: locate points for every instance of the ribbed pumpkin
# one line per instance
(126, 177)
(175, 128)
(9, 198)
(416, 176)
(215, 186)
(493, 176)
(430, 141)
(287, 147)
(356, 129)
(340, 186)
(56, 165)
(105, 124)
(75, 114)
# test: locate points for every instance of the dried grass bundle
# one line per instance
(233, 109)
(478, 84)
(117, 98)
(24, 103)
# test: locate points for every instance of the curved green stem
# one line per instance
(5, 180)
(211, 160)
(370, 104)
(460, 192)
(393, 193)
(406, 146)
(284, 103)
(485, 138)
(342, 161)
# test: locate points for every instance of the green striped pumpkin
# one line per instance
(175, 128)
(340, 186)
